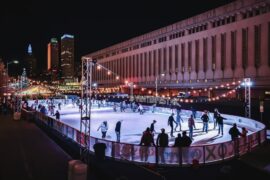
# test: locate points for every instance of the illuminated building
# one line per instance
(67, 57)
(53, 58)
(30, 63)
(221, 45)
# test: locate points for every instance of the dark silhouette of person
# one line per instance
(162, 142)
(220, 124)
(152, 127)
(234, 132)
(146, 141)
(118, 129)
(170, 123)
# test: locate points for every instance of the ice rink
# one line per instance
(134, 124)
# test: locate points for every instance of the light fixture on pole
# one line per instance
(157, 83)
(12, 62)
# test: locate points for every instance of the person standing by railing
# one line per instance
(146, 141)
(162, 142)
(57, 115)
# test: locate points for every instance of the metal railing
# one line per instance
(175, 156)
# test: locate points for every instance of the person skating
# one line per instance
(140, 109)
(191, 126)
(215, 117)
(152, 127)
(118, 129)
(170, 123)
(178, 118)
(114, 107)
(205, 120)
(104, 128)
(220, 124)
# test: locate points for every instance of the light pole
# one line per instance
(11, 62)
(157, 83)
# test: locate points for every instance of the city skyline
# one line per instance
(101, 26)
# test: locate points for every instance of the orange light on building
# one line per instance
(98, 67)
(49, 58)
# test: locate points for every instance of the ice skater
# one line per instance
(191, 126)
(178, 119)
(118, 129)
(170, 123)
(205, 120)
(152, 127)
(140, 109)
(215, 117)
(104, 128)
(220, 124)
(114, 107)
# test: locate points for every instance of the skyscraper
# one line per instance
(53, 58)
(30, 63)
(67, 56)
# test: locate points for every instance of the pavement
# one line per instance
(27, 153)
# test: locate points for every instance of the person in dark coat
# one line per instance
(186, 141)
(220, 124)
(117, 130)
(57, 115)
(170, 123)
(178, 141)
(146, 141)
(152, 127)
(162, 142)
(205, 120)
(215, 117)
(234, 132)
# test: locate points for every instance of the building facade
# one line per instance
(53, 59)
(30, 63)
(224, 44)
(67, 56)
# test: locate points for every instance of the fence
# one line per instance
(204, 154)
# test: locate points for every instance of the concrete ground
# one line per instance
(26, 152)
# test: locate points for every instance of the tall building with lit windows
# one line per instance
(53, 58)
(67, 56)
(30, 63)
(221, 45)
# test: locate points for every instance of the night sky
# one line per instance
(95, 25)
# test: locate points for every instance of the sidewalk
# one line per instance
(28, 153)
(259, 159)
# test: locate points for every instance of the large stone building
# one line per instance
(67, 56)
(221, 45)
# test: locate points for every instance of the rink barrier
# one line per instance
(169, 156)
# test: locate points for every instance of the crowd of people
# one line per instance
(150, 137)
